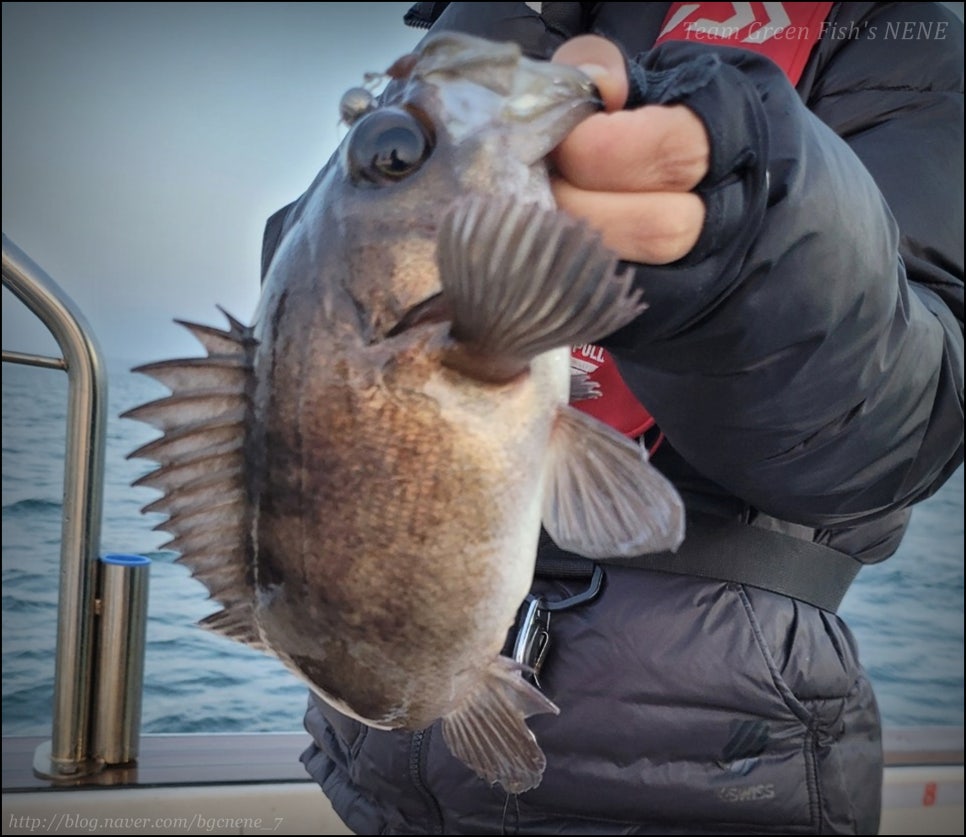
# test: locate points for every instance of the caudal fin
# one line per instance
(488, 732)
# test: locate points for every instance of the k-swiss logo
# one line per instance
(746, 793)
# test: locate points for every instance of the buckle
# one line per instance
(533, 635)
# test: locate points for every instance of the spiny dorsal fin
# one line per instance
(200, 374)
(218, 513)
(191, 494)
(177, 410)
(235, 623)
(202, 467)
(210, 435)
(213, 540)
(176, 476)
(216, 341)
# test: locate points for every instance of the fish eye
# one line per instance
(386, 146)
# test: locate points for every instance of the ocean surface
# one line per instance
(906, 613)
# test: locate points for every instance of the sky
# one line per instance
(145, 145)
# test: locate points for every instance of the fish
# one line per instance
(360, 477)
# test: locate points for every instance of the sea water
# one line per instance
(906, 613)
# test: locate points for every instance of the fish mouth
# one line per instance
(430, 311)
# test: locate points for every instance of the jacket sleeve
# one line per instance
(808, 354)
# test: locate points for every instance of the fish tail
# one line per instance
(488, 732)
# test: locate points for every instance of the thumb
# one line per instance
(603, 61)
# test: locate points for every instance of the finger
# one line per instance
(651, 228)
(603, 61)
(652, 148)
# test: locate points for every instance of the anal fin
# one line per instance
(488, 732)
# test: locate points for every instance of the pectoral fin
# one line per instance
(519, 280)
(604, 499)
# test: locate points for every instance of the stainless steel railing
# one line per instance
(91, 724)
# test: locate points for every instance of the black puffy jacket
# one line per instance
(805, 362)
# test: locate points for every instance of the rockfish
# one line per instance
(360, 477)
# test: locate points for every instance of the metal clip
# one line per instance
(533, 636)
(530, 648)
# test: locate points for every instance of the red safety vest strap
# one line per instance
(612, 401)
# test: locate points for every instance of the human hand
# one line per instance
(630, 173)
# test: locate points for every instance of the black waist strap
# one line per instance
(726, 550)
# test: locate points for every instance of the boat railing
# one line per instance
(101, 603)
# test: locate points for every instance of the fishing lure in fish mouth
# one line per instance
(371, 462)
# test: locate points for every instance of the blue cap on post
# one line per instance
(125, 560)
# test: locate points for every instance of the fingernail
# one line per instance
(595, 71)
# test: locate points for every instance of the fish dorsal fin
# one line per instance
(604, 499)
(520, 280)
(201, 471)
(488, 732)
(236, 622)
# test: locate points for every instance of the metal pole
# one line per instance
(120, 658)
(83, 499)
